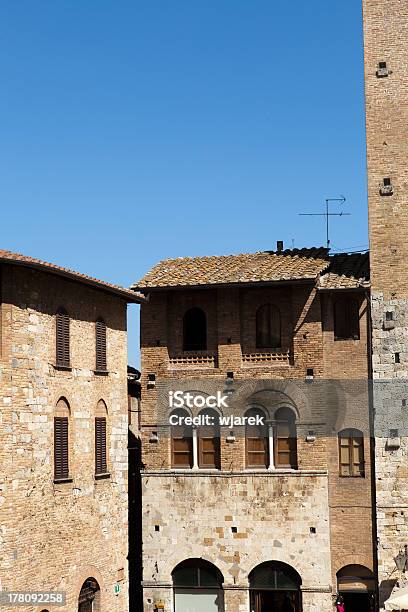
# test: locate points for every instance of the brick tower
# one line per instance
(386, 63)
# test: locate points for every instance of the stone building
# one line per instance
(276, 512)
(64, 435)
(386, 63)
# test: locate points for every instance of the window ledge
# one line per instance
(104, 476)
(101, 372)
(65, 368)
(171, 472)
(63, 480)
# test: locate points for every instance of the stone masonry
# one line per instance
(386, 65)
(54, 536)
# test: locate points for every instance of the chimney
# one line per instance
(279, 246)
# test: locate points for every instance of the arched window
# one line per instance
(256, 439)
(346, 319)
(356, 585)
(194, 330)
(61, 436)
(62, 338)
(268, 327)
(89, 596)
(197, 586)
(351, 453)
(285, 439)
(100, 341)
(181, 440)
(275, 586)
(209, 441)
(100, 439)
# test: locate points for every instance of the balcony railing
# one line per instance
(192, 360)
(279, 357)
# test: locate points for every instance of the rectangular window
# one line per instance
(62, 339)
(61, 467)
(100, 338)
(100, 446)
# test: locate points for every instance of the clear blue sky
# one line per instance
(134, 131)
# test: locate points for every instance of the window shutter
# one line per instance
(61, 467)
(209, 447)
(100, 345)
(100, 446)
(62, 338)
(182, 446)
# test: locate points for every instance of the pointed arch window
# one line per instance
(268, 327)
(194, 330)
(61, 440)
(101, 468)
(62, 338)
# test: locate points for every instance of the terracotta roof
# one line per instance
(346, 271)
(248, 268)
(30, 262)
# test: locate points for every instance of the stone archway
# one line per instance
(89, 598)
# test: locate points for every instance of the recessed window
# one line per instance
(62, 338)
(100, 341)
(209, 456)
(257, 440)
(100, 439)
(285, 439)
(195, 330)
(387, 182)
(346, 319)
(181, 443)
(61, 443)
(397, 358)
(268, 327)
(351, 453)
(389, 315)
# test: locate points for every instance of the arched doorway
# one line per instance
(197, 586)
(275, 587)
(356, 585)
(89, 596)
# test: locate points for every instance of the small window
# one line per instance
(100, 439)
(257, 441)
(181, 443)
(209, 442)
(100, 340)
(285, 439)
(351, 453)
(346, 319)
(268, 327)
(62, 338)
(61, 424)
(194, 330)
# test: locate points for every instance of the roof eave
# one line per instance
(124, 294)
(155, 288)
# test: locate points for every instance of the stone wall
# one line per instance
(386, 41)
(56, 535)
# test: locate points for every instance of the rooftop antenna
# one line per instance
(328, 214)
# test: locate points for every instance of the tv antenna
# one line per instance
(328, 214)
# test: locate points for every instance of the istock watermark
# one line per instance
(181, 399)
(206, 420)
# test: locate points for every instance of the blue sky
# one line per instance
(134, 131)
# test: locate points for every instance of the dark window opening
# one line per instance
(387, 182)
(346, 319)
(268, 327)
(194, 330)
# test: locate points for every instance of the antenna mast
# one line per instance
(328, 214)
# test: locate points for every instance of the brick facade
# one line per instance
(386, 62)
(56, 535)
(303, 517)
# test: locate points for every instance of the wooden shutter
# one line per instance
(351, 453)
(257, 446)
(100, 446)
(100, 332)
(62, 338)
(61, 467)
(285, 446)
(209, 447)
(182, 446)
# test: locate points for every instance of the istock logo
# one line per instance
(178, 399)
